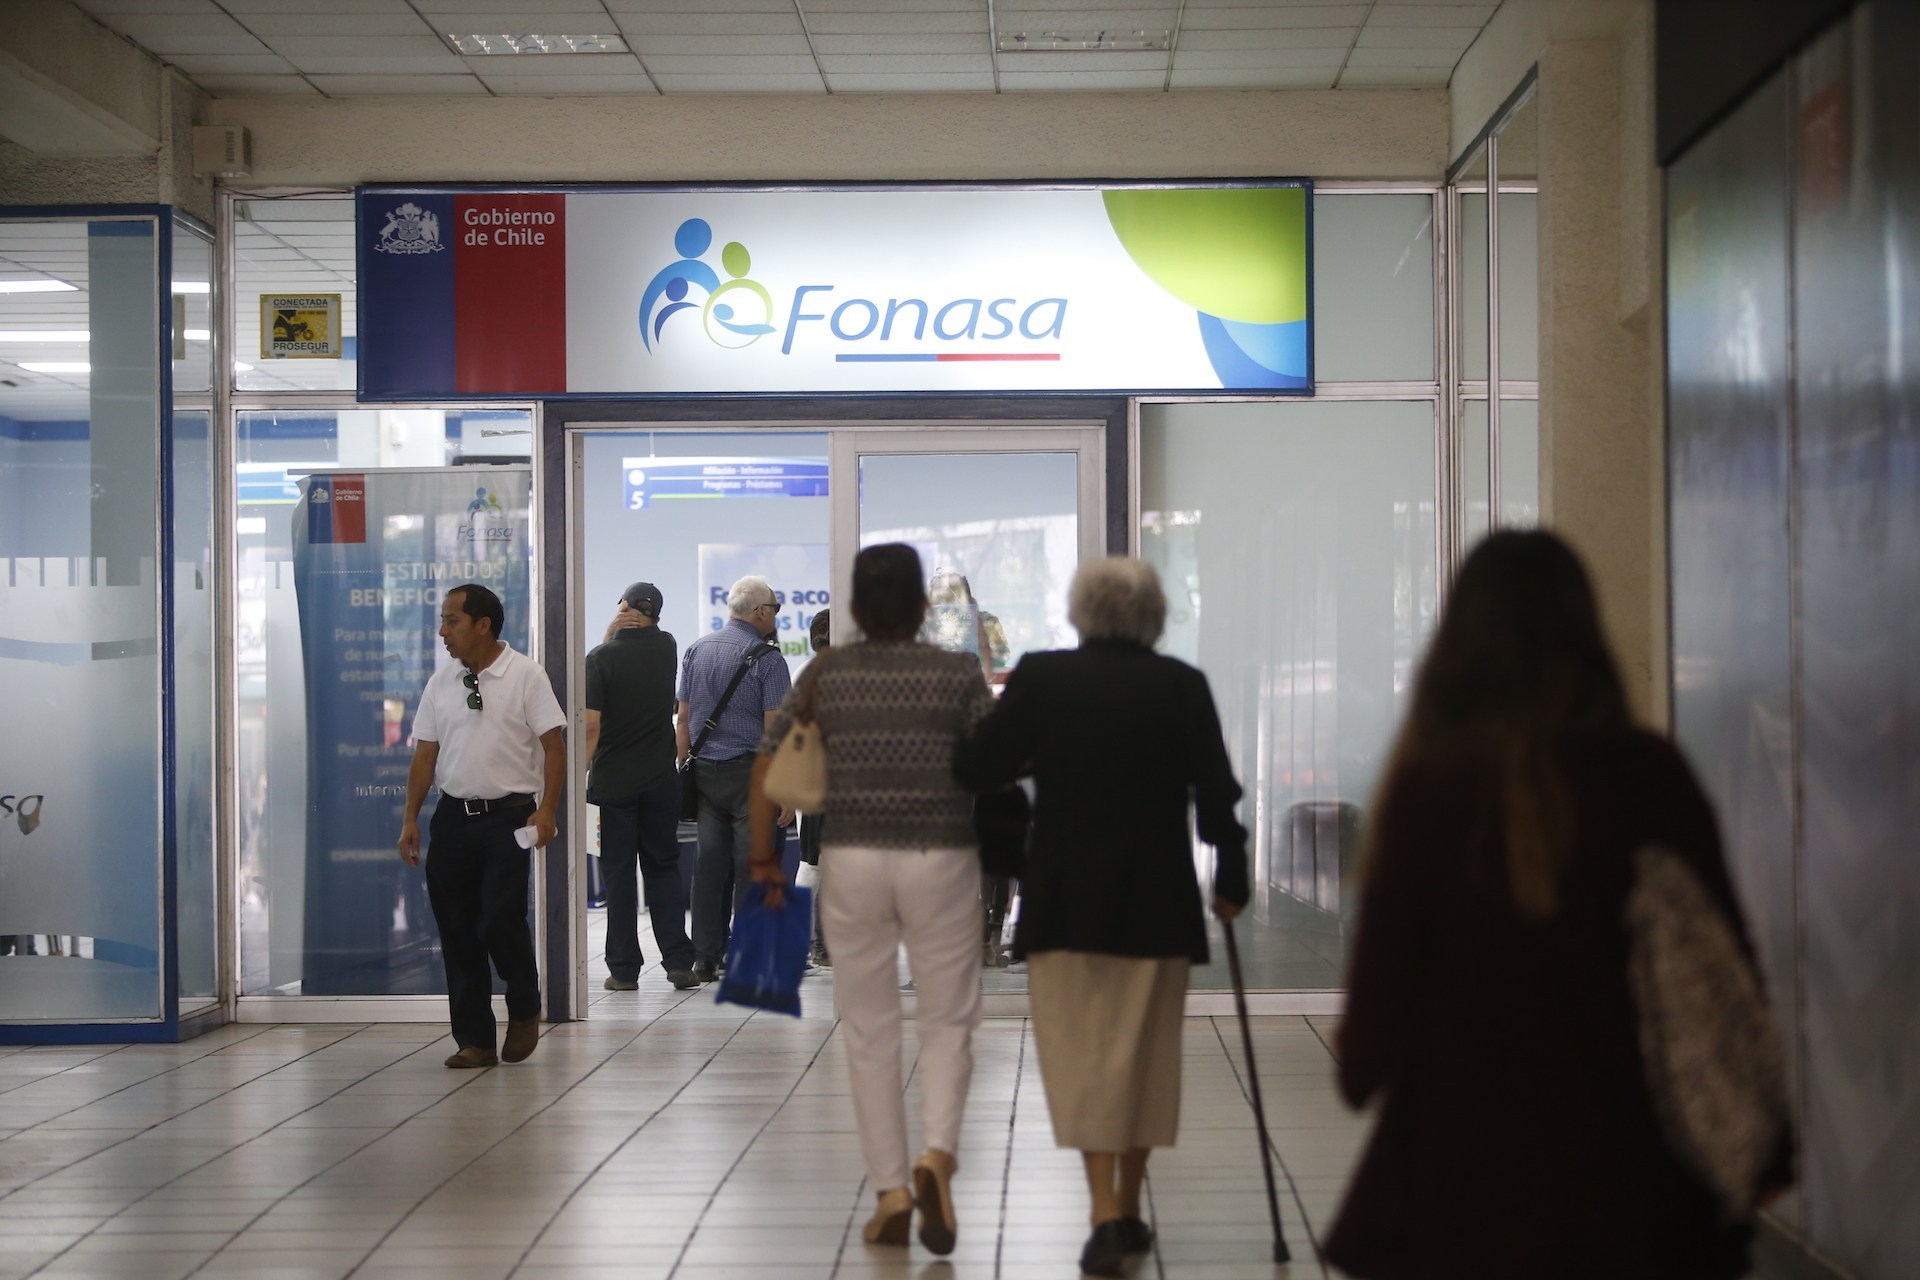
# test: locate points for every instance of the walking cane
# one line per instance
(1281, 1254)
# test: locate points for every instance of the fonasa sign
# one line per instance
(1126, 288)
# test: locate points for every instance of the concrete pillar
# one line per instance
(1601, 449)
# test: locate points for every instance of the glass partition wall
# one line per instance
(107, 898)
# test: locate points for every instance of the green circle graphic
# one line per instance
(1236, 253)
(736, 259)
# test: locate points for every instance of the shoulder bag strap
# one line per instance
(707, 727)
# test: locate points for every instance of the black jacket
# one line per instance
(1117, 739)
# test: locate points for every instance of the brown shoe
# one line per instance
(892, 1218)
(473, 1056)
(522, 1035)
(933, 1195)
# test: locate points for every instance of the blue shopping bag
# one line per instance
(768, 951)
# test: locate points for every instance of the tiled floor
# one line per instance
(666, 1136)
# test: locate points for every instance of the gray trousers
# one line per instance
(720, 876)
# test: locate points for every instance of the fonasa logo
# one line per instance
(734, 312)
(486, 519)
(24, 810)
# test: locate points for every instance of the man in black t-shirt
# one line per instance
(630, 746)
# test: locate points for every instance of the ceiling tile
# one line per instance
(420, 46)
(699, 6)
(1277, 59)
(1404, 58)
(104, 8)
(709, 24)
(575, 21)
(701, 64)
(1281, 16)
(569, 86)
(365, 25)
(1340, 38)
(1106, 16)
(229, 86)
(150, 29)
(650, 46)
(1395, 77)
(509, 8)
(242, 8)
(860, 24)
(349, 86)
(899, 64)
(741, 84)
(233, 64)
(942, 82)
(1091, 81)
(811, 7)
(1431, 15)
(1455, 39)
(1294, 78)
(957, 42)
(382, 66)
(1074, 63)
(550, 66)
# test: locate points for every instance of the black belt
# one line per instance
(477, 808)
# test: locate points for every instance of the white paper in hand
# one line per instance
(526, 835)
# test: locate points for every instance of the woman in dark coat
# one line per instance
(1117, 739)
(1488, 996)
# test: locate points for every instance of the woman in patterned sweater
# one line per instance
(900, 859)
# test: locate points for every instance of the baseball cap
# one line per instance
(643, 597)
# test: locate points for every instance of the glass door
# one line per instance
(1001, 519)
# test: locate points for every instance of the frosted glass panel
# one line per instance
(1475, 472)
(1297, 546)
(1373, 290)
(80, 936)
(1519, 284)
(193, 702)
(1519, 463)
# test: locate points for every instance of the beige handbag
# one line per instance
(797, 776)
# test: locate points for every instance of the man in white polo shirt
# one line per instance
(491, 734)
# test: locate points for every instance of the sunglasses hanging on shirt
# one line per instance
(472, 682)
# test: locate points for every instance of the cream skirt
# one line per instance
(1108, 1032)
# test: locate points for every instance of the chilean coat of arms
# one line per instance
(410, 229)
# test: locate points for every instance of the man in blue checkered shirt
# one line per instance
(725, 761)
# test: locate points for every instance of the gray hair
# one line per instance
(749, 594)
(1117, 598)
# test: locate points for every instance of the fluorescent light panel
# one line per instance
(190, 286)
(56, 366)
(483, 43)
(37, 285)
(1085, 42)
(43, 335)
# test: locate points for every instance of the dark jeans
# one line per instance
(477, 883)
(720, 877)
(643, 834)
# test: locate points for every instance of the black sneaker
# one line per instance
(683, 979)
(705, 971)
(1137, 1235)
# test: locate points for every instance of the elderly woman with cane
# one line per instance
(1119, 740)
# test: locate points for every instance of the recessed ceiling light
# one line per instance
(199, 335)
(490, 42)
(43, 335)
(37, 285)
(190, 286)
(1086, 42)
(56, 366)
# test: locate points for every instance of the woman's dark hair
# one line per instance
(820, 630)
(889, 593)
(1519, 661)
(479, 602)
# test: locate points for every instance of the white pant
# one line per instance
(930, 899)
